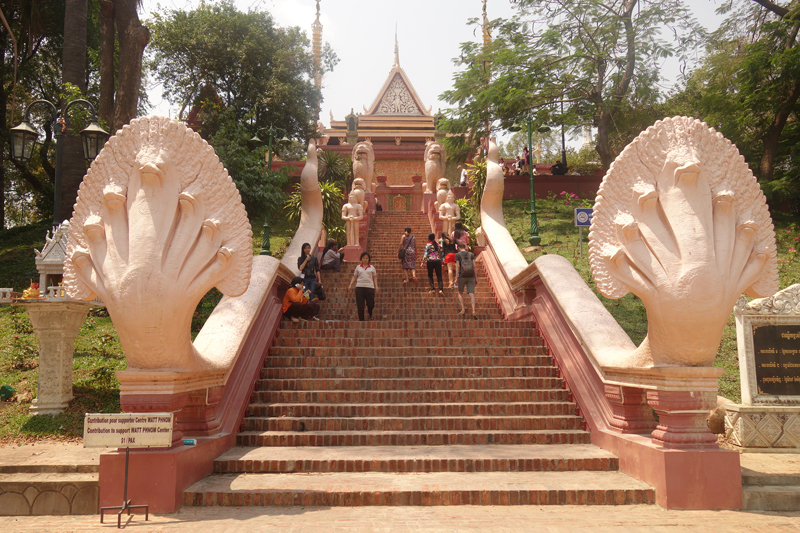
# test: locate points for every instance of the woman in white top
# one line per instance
(365, 279)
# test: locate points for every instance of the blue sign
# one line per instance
(583, 216)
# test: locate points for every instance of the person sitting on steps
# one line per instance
(331, 257)
(296, 304)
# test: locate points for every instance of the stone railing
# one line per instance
(678, 456)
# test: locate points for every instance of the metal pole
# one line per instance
(580, 238)
(265, 237)
(58, 131)
(563, 144)
(534, 238)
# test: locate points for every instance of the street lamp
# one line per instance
(534, 239)
(272, 131)
(23, 139)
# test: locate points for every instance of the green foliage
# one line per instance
(246, 63)
(334, 168)
(748, 78)
(261, 190)
(332, 197)
(469, 217)
(477, 173)
(596, 57)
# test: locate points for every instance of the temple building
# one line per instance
(397, 124)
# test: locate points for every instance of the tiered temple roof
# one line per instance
(396, 116)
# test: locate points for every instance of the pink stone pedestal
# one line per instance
(352, 253)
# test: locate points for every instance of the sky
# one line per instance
(362, 33)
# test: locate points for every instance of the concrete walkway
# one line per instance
(629, 518)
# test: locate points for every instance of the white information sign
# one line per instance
(127, 430)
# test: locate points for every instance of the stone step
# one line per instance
(320, 360)
(410, 438)
(410, 324)
(432, 341)
(408, 459)
(49, 493)
(448, 330)
(494, 355)
(441, 488)
(409, 372)
(410, 384)
(442, 423)
(411, 397)
(412, 410)
(771, 497)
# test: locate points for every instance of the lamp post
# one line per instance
(563, 144)
(23, 138)
(272, 131)
(534, 239)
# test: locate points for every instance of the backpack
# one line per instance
(468, 265)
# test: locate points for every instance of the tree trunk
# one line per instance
(133, 37)
(772, 137)
(74, 72)
(603, 125)
(4, 135)
(107, 40)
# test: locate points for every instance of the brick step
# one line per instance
(442, 423)
(409, 372)
(389, 329)
(406, 396)
(431, 341)
(418, 298)
(436, 315)
(411, 438)
(491, 354)
(411, 324)
(407, 459)
(409, 384)
(276, 360)
(442, 488)
(411, 410)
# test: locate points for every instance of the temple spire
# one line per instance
(396, 49)
(317, 48)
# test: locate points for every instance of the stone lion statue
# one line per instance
(364, 164)
(681, 222)
(435, 164)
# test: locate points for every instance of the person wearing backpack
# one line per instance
(433, 260)
(465, 268)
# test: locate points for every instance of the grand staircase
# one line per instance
(419, 407)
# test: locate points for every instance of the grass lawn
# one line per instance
(98, 353)
(560, 236)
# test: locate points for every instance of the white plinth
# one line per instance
(56, 325)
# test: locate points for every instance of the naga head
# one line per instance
(681, 222)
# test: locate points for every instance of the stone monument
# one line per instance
(442, 188)
(449, 213)
(681, 222)
(358, 189)
(768, 332)
(158, 223)
(364, 164)
(352, 213)
(435, 165)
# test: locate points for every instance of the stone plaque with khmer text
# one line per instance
(768, 334)
(776, 350)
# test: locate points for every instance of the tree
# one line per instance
(255, 68)
(261, 191)
(596, 57)
(748, 86)
(37, 28)
(73, 71)
(124, 38)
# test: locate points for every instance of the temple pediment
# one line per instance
(397, 97)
